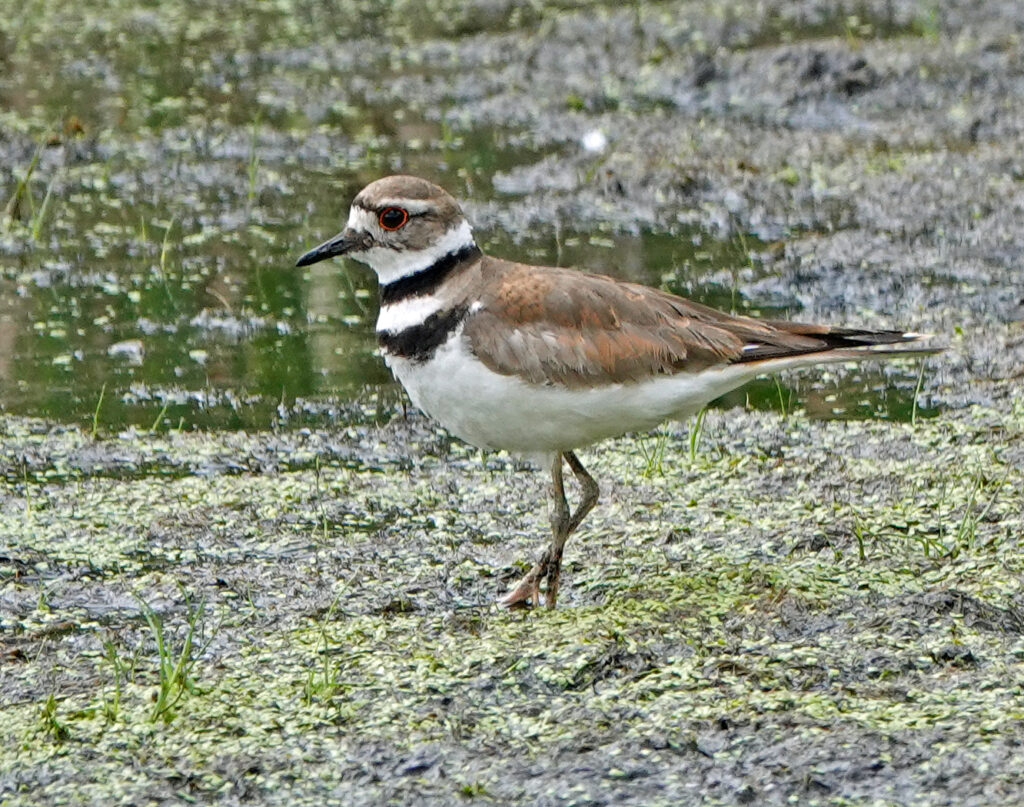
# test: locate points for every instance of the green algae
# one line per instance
(727, 591)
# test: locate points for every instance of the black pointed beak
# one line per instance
(344, 242)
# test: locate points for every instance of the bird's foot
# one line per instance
(527, 590)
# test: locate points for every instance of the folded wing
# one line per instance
(559, 326)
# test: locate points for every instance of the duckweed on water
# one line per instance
(741, 596)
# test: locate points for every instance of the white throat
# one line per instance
(391, 264)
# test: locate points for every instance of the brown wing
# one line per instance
(581, 330)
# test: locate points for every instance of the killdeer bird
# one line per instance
(540, 361)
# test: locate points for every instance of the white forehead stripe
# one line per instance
(414, 206)
(362, 220)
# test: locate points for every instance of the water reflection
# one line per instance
(207, 335)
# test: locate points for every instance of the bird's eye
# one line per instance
(391, 218)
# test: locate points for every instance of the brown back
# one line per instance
(566, 327)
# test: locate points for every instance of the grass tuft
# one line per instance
(22, 192)
(96, 412)
(322, 681)
(175, 666)
(39, 217)
(50, 721)
(653, 452)
(696, 432)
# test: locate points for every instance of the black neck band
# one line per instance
(427, 280)
(418, 342)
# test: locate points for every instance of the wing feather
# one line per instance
(571, 328)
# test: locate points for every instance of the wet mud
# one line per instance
(234, 568)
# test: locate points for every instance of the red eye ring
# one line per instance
(393, 218)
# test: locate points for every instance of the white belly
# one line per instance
(495, 411)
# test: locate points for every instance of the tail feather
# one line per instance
(838, 343)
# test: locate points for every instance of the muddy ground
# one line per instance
(790, 609)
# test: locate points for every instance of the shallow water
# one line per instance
(172, 173)
(220, 334)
